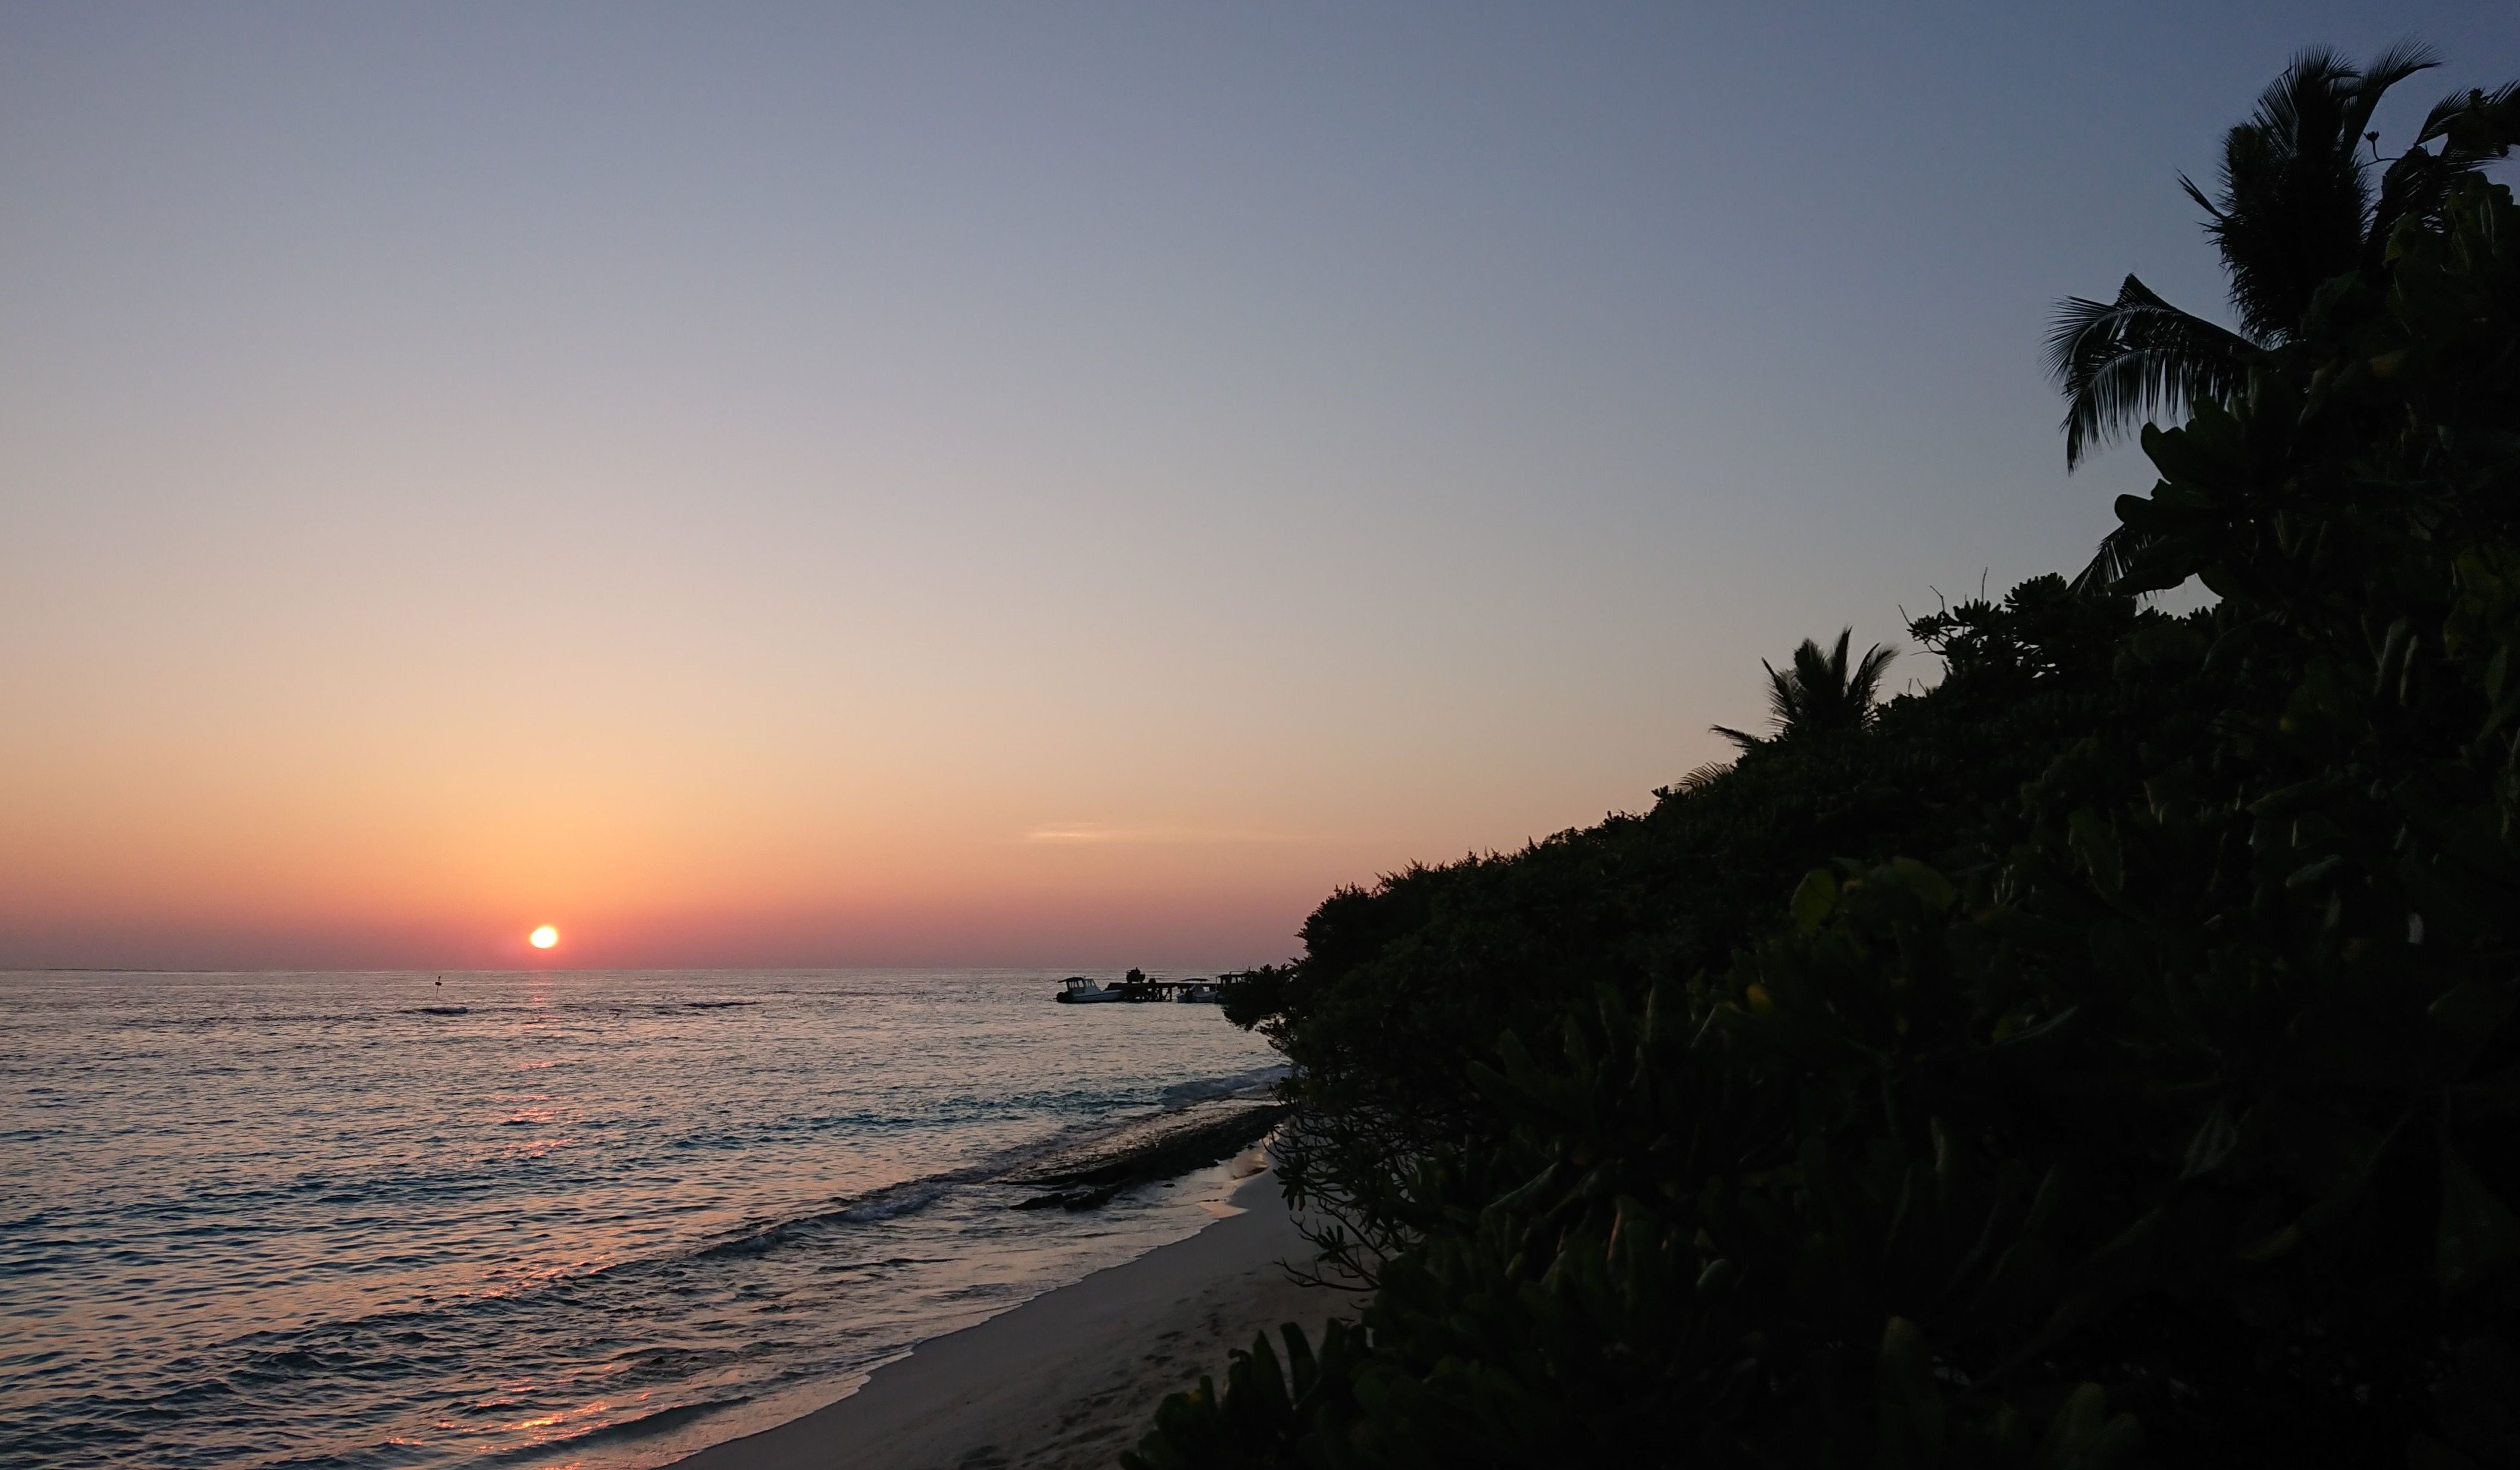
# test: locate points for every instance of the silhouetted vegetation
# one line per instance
(2106, 1057)
(1818, 693)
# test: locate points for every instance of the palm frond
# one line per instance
(1863, 683)
(2123, 363)
(2279, 105)
(2293, 209)
(2475, 125)
(2474, 128)
(1819, 679)
(2110, 563)
(2400, 61)
(2213, 210)
(1818, 693)
(1783, 699)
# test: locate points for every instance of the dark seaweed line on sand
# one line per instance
(1167, 1156)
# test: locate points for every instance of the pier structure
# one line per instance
(1138, 989)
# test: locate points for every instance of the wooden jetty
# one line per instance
(1135, 988)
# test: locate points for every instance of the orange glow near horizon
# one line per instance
(656, 483)
(379, 830)
(543, 938)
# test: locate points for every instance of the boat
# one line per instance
(1076, 989)
(1136, 988)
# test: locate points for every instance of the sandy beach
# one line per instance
(1071, 1378)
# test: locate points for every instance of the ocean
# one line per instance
(551, 1219)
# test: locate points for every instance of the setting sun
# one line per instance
(543, 938)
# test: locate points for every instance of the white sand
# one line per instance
(1069, 1379)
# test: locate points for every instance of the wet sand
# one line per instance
(1067, 1380)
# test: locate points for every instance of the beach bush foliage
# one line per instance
(2109, 1057)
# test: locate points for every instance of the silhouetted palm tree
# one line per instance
(2296, 209)
(1818, 692)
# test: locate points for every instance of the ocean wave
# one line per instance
(1256, 1083)
(888, 1203)
(1135, 1148)
(658, 1422)
(1163, 1146)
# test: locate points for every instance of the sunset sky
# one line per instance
(1030, 485)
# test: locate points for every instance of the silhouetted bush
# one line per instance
(2106, 1057)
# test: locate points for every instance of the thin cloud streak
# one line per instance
(1091, 833)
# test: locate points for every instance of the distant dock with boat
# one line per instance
(1136, 988)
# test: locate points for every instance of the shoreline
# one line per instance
(1070, 1378)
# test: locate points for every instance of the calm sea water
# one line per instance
(595, 1219)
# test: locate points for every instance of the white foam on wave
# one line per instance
(1255, 1083)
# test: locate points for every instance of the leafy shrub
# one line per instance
(2108, 1056)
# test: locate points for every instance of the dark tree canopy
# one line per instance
(2303, 200)
(2108, 1057)
(1818, 693)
